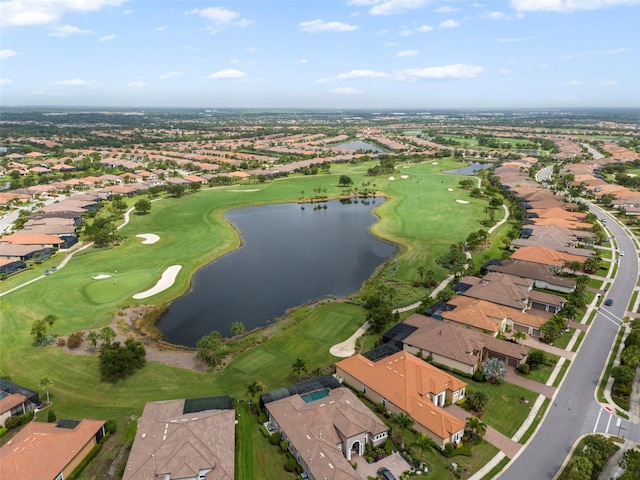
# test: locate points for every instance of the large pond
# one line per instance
(471, 169)
(290, 256)
(359, 145)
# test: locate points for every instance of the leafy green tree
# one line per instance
(631, 356)
(142, 206)
(519, 335)
(423, 441)
(107, 335)
(579, 468)
(379, 317)
(50, 320)
(93, 337)
(345, 181)
(120, 361)
(575, 266)
(478, 399)
(38, 331)
(254, 388)
(176, 191)
(493, 370)
(536, 358)
(238, 328)
(623, 375)
(631, 463)
(118, 205)
(299, 367)
(422, 270)
(404, 422)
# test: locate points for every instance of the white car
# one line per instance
(622, 253)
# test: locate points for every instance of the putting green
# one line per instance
(114, 289)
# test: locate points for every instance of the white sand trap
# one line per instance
(450, 189)
(404, 177)
(462, 201)
(102, 276)
(631, 175)
(167, 279)
(253, 190)
(149, 238)
(434, 163)
(392, 178)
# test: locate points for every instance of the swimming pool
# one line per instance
(317, 395)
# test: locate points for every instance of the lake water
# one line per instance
(289, 257)
(359, 145)
(470, 169)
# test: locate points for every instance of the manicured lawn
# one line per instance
(504, 411)
(543, 372)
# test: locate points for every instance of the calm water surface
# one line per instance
(470, 169)
(359, 145)
(289, 257)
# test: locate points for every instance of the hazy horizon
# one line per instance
(320, 55)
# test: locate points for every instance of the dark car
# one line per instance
(386, 474)
(608, 302)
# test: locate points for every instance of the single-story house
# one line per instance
(404, 383)
(184, 439)
(49, 451)
(325, 430)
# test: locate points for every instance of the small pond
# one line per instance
(359, 145)
(291, 255)
(471, 169)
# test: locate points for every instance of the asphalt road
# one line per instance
(575, 411)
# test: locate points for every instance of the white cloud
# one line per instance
(424, 28)
(107, 38)
(392, 7)
(7, 53)
(405, 32)
(160, 29)
(346, 91)
(446, 10)
(361, 74)
(361, 3)
(171, 74)
(513, 39)
(568, 5)
(494, 16)
(454, 71)
(407, 53)
(20, 13)
(219, 17)
(75, 82)
(228, 73)
(449, 24)
(5, 81)
(320, 26)
(596, 53)
(303, 61)
(136, 84)
(66, 30)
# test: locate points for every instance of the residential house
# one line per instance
(184, 439)
(546, 256)
(541, 275)
(19, 238)
(16, 400)
(49, 451)
(325, 430)
(453, 345)
(404, 383)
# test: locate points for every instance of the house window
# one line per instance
(462, 393)
(364, 388)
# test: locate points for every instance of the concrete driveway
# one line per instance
(394, 462)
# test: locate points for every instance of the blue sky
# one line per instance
(369, 54)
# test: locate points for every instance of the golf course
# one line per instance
(421, 215)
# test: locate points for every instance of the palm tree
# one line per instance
(237, 328)
(478, 399)
(93, 338)
(431, 275)
(475, 427)
(50, 319)
(518, 335)
(107, 335)
(45, 383)
(298, 367)
(423, 441)
(404, 421)
(254, 388)
(421, 271)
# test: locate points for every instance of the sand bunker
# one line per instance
(167, 279)
(253, 190)
(450, 189)
(434, 163)
(392, 178)
(102, 276)
(462, 201)
(404, 176)
(348, 347)
(149, 238)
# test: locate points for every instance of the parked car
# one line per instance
(608, 302)
(386, 474)
(622, 253)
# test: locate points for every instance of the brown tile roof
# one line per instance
(503, 289)
(407, 382)
(316, 428)
(170, 442)
(43, 450)
(31, 239)
(10, 401)
(546, 256)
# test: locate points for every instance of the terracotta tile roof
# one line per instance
(480, 314)
(31, 239)
(546, 256)
(316, 428)
(503, 289)
(43, 450)
(406, 381)
(10, 401)
(171, 442)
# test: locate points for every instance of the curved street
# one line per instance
(575, 411)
